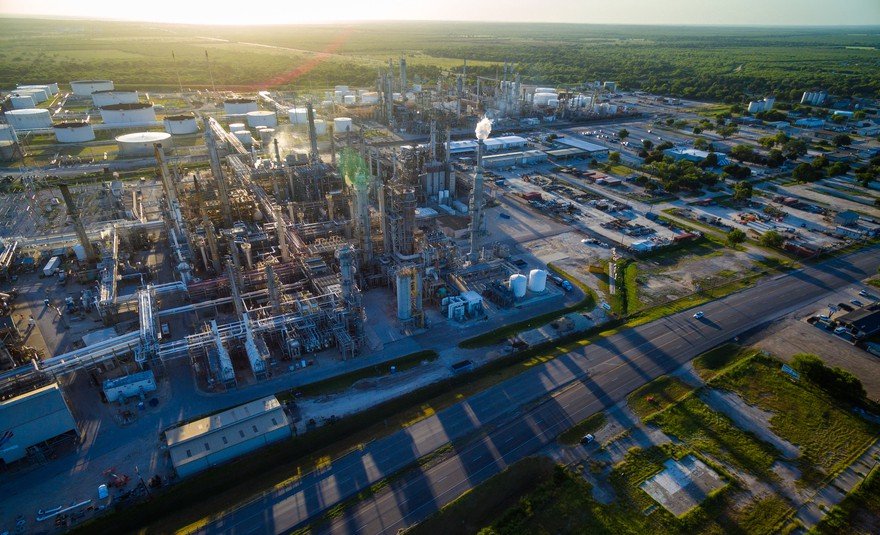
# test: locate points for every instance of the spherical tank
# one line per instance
(239, 106)
(7, 133)
(537, 280)
(298, 116)
(74, 132)
(262, 118)
(29, 119)
(21, 102)
(108, 98)
(320, 127)
(244, 136)
(518, 285)
(342, 125)
(84, 88)
(140, 144)
(181, 124)
(137, 113)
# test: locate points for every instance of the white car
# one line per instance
(840, 330)
(587, 439)
(699, 315)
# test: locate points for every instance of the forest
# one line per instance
(728, 65)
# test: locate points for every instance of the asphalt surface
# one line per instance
(580, 383)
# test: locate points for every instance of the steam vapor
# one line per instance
(484, 128)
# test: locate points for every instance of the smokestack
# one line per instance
(332, 145)
(313, 135)
(281, 230)
(91, 255)
(277, 151)
(403, 75)
(217, 171)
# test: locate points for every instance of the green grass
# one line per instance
(858, 513)
(590, 425)
(631, 285)
(829, 436)
(875, 282)
(716, 360)
(657, 395)
(763, 515)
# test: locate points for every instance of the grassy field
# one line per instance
(590, 425)
(713, 362)
(858, 513)
(829, 436)
(657, 395)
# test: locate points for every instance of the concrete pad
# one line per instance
(683, 485)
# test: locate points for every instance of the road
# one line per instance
(580, 383)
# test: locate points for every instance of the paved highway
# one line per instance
(579, 383)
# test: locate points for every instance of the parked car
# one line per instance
(856, 302)
(699, 315)
(587, 439)
(840, 330)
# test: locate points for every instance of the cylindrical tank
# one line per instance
(298, 116)
(74, 132)
(342, 125)
(29, 119)
(110, 97)
(320, 127)
(7, 133)
(266, 135)
(404, 304)
(140, 144)
(542, 99)
(553, 102)
(137, 113)
(262, 118)
(84, 88)
(7, 150)
(237, 126)
(518, 285)
(21, 102)
(370, 98)
(537, 280)
(341, 88)
(39, 95)
(244, 136)
(51, 89)
(545, 90)
(239, 106)
(181, 124)
(349, 99)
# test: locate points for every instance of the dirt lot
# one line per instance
(568, 253)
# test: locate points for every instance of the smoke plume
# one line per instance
(484, 128)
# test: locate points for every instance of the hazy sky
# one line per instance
(733, 12)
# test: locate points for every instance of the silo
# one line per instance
(518, 285)
(74, 132)
(298, 116)
(7, 133)
(244, 136)
(537, 280)
(29, 119)
(136, 113)
(112, 96)
(262, 118)
(140, 144)
(21, 102)
(181, 124)
(320, 127)
(342, 125)
(84, 88)
(404, 303)
(239, 106)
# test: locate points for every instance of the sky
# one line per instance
(690, 12)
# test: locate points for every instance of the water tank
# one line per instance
(518, 285)
(342, 125)
(537, 280)
(131, 113)
(84, 88)
(404, 304)
(298, 116)
(244, 136)
(262, 118)
(112, 96)
(29, 119)
(181, 124)
(7, 133)
(140, 144)
(21, 102)
(320, 127)
(239, 106)
(74, 132)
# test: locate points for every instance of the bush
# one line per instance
(736, 236)
(836, 381)
(771, 238)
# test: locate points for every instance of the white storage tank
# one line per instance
(543, 98)
(21, 102)
(84, 88)
(545, 90)
(137, 113)
(29, 119)
(262, 118)
(239, 106)
(266, 135)
(518, 284)
(74, 132)
(341, 88)
(553, 102)
(39, 95)
(7, 133)
(181, 124)
(370, 98)
(342, 125)
(244, 136)
(236, 126)
(298, 116)
(51, 89)
(110, 97)
(537, 280)
(140, 144)
(320, 127)
(348, 99)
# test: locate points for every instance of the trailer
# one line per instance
(52, 266)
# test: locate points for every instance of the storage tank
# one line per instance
(136, 113)
(7, 151)
(341, 88)
(244, 136)
(298, 116)
(181, 124)
(112, 96)
(51, 89)
(542, 99)
(266, 135)
(262, 118)
(348, 99)
(239, 106)
(140, 144)
(545, 90)
(370, 98)
(236, 126)
(7, 133)
(537, 280)
(21, 102)
(553, 102)
(320, 127)
(342, 125)
(74, 132)
(404, 303)
(518, 285)
(39, 95)
(29, 119)
(84, 88)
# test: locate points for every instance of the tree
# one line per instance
(739, 172)
(771, 238)
(842, 140)
(614, 157)
(775, 158)
(806, 173)
(794, 149)
(698, 130)
(743, 153)
(670, 121)
(648, 144)
(768, 142)
(819, 162)
(623, 134)
(736, 236)
(727, 130)
(701, 144)
(710, 161)
(836, 381)
(837, 169)
(742, 191)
